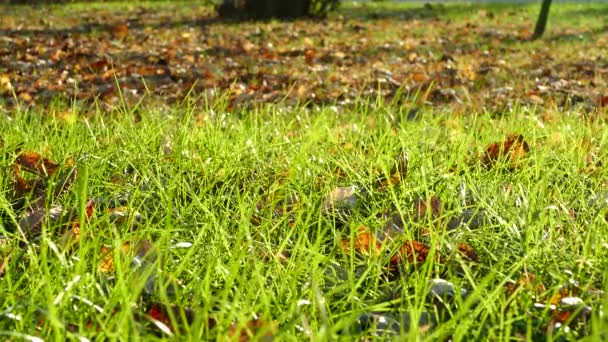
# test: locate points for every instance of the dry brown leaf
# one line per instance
(467, 252)
(120, 31)
(421, 208)
(412, 251)
(34, 163)
(253, 330)
(106, 264)
(513, 149)
(365, 243)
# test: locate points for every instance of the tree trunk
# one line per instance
(541, 23)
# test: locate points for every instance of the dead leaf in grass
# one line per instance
(468, 252)
(566, 303)
(41, 168)
(421, 208)
(411, 251)
(161, 314)
(106, 264)
(34, 218)
(35, 163)
(513, 150)
(120, 31)
(602, 102)
(365, 243)
(568, 308)
(253, 330)
(139, 249)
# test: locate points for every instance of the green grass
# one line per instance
(204, 188)
(232, 199)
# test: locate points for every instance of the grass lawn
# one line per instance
(392, 213)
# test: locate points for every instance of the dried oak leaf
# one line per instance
(340, 202)
(413, 251)
(566, 303)
(72, 234)
(4, 260)
(513, 149)
(42, 168)
(30, 224)
(35, 163)
(421, 208)
(602, 102)
(569, 308)
(365, 243)
(106, 264)
(120, 31)
(468, 252)
(160, 315)
(253, 330)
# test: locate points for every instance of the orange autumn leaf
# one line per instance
(468, 253)
(120, 30)
(106, 264)
(35, 163)
(412, 251)
(162, 313)
(309, 56)
(72, 235)
(253, 330)
(513, 149)
(42, 168)
(365, 243)
(559, 315)
(602, 102)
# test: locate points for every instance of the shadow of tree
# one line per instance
(91, 23)
(415, 12)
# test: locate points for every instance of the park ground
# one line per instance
(396, 170)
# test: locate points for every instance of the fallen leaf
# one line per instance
(309, 56)
(365, 243)
(120, 31)
(467, 252)
(602, 102)
(568, 308)
(162, 313)
(106, 264)
(469, 218)
(34, 218)
(384, 324)
(565, 302)
(253, 330)
(513, 150)
(412, 251)
(421, 208)
(35, 163)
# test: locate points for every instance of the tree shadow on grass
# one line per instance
(90, 22)
(426, 11)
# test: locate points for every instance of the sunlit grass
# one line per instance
(233, 201)
(198, 179)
